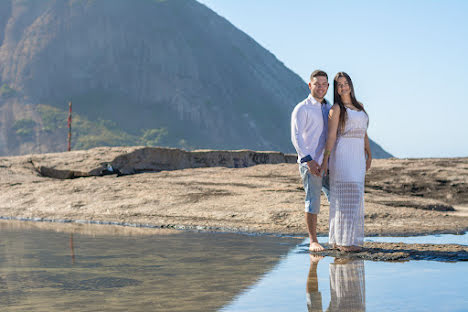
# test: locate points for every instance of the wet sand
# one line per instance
(402, 252)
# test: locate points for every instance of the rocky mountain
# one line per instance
(140, 72)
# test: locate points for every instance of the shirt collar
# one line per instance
(313, 101)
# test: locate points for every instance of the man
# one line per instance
(313, 294)
(309, 135)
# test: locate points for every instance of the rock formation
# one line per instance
(171, 72)
(102, 161)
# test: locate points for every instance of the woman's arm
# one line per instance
(333, 121)
(368, 152)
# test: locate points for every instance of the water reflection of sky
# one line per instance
(86, 268)
(384, 286)
(82, 268)
(424, 239)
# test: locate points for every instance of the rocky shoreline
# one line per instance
(223, 191)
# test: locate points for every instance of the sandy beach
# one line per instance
(402, 196)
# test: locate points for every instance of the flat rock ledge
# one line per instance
(134, 160)
(400, 252)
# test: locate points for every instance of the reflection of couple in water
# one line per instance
(333, 140)
(347, 286)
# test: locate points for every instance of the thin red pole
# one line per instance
(69, 124)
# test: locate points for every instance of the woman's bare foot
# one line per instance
(341, 261)
(349, 248)
(314, 246)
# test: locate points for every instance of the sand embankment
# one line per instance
(263, 194)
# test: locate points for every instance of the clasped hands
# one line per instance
(316, 169)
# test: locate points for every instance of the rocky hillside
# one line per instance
(143, 72)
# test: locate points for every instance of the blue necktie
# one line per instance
(325, 121)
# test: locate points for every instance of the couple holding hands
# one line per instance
(333, 154)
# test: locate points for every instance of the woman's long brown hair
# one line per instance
(337, 100)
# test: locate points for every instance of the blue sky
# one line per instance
(408, 61)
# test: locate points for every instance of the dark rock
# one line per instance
(153, 159)
(402, 252)
(439, 207)
(60, 174)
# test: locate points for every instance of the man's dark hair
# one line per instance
(318, 73)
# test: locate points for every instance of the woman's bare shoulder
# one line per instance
(335, 108)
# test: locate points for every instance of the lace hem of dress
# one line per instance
(346, 213)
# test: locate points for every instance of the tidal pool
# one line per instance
(301, 282)
(67, 267)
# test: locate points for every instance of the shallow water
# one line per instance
(424, 239)
(301, 282)
(86, 268)
(104, 268)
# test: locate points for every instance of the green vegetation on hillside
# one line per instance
(152, 137)
(7, 92)
(24, 128)
(52, 118)
(88, 134)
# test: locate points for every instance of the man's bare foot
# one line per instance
(314, 246)
(315, 258)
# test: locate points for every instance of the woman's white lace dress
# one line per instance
(347, 286)
(347, 168)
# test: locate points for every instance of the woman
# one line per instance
(347, 156)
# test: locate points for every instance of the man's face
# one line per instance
(318, 87)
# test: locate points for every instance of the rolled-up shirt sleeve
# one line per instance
(298, 122)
